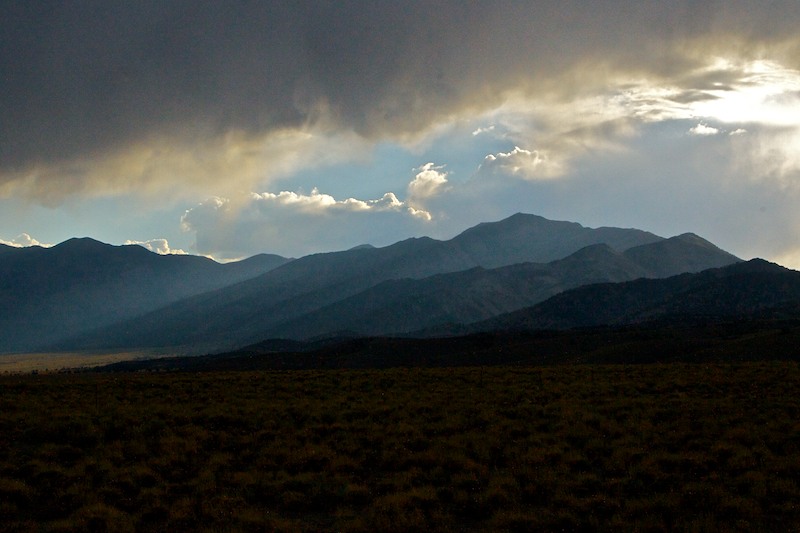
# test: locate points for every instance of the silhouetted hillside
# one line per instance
(743, 290)
(401, 306)
(413, 284)
(696, 341)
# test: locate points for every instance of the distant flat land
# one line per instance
(52, 362)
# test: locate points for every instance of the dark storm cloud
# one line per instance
(82, 78)
(86, 75)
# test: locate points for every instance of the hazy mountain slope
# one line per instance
(684, 253)
(244, 312)
(398, 306)
(741, 290)
(251, 267)
(409, 305)
(47, 294)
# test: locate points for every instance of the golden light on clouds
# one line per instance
(765, 93)
(182, 167)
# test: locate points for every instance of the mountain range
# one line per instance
(409, 305)
(414, 284)
(521, 273)
(747, 311)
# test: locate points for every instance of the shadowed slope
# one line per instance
(411, 285)
(744, 289)
(244, 313)
(47, 294)
(401, 306)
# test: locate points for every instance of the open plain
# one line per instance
(662, 447)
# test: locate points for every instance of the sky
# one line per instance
(234, 128)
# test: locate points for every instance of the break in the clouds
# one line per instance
(549, 107)
(294, 224)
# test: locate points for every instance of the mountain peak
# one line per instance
(524, 237)
(81, 243)
(528, 217)
(693, 238)
(756, 265)
(89, 248)
(594, 250)
(519, 219)
(683, 253)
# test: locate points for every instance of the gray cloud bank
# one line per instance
(81, 79)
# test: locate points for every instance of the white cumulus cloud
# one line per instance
(320, 203)
(295, 224)
(479, 131)
(430, 181)
(526, 164)
(159, 246)
(23, 240)
(703, 130)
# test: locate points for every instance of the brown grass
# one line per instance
(596, 448)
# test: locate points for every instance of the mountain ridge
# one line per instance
(404, 306)
(741, 289)
(292, 299)
(49, 294)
